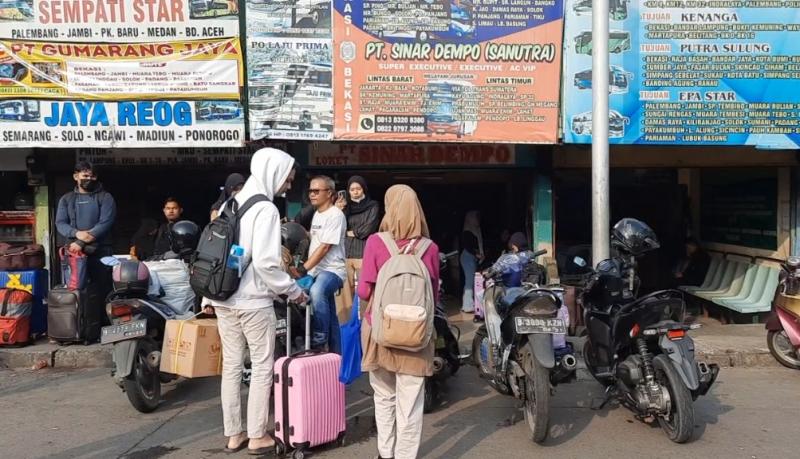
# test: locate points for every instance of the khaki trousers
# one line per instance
(253, 328)
(399, 404)
(344, 299)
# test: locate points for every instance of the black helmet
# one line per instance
(183, 237)
(634, 237)
(294, 237)
(131, 276)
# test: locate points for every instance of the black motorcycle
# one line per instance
(638, 348)
(447, 357)
(514, 350)
(137, 329)
(138, 318)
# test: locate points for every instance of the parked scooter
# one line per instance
(514, 350)
(638, 348)
(138, 317)
(447, 358)
(783, 324)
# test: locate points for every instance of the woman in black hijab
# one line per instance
(363, 218)
(233, 184)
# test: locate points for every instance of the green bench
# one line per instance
(736, 283)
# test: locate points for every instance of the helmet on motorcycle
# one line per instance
(131, 276)
(294, 237)
(634, 237)
(183, 237)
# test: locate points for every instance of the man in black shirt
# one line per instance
(172, 212)
(692, 269)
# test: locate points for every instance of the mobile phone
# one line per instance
(342, 194)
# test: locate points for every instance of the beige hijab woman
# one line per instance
(404, 216)
(397, 377)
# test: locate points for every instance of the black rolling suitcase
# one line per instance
(75, 316)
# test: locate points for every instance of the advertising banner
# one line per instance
(404, 154)
(134, 124)
(205, 69)
(688, 72)
(128, 21)
(447, 70)
(289, 85)
(297, 18)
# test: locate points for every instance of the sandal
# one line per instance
(241, 446)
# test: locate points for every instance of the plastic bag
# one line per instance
(173, 277)
(351, 346)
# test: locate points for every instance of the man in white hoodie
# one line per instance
(247, 318)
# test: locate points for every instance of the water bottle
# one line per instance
(235, 258)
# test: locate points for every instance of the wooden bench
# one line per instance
(740, 284)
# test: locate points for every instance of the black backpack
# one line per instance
(210, 275)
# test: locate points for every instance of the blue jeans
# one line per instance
(469, 265)
(324, 323)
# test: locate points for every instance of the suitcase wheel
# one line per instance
(298, 454)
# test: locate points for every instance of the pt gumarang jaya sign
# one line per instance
(387, 154)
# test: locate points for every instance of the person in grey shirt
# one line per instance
(84, 218)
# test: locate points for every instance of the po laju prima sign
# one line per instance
(128, 21)
(376, 154)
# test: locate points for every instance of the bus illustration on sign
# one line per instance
(12, 72)
(448, 108)
(19, 110)
(16, 10)
(618, 41)
(200, 9)
(292, 96)
(617, 9)
(582, 124)
(618, 80)
(218, 111)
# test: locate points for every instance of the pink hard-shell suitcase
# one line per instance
(309, 399)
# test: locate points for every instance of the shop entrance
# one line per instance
(653, 196)
(502, 196)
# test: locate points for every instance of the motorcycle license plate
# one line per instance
(122, 332)
(528, 325)
(280, 327)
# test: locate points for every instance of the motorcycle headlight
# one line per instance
(539, 306)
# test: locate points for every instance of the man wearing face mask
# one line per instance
(84, 218)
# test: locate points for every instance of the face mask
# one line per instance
(88, 184)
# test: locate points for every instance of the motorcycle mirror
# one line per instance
(579, 262)
(110, 261)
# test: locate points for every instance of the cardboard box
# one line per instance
(192, 348)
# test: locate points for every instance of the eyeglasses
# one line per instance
(317, 191)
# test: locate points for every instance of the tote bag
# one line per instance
(351, 346)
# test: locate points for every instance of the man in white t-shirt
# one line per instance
(326, 262)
